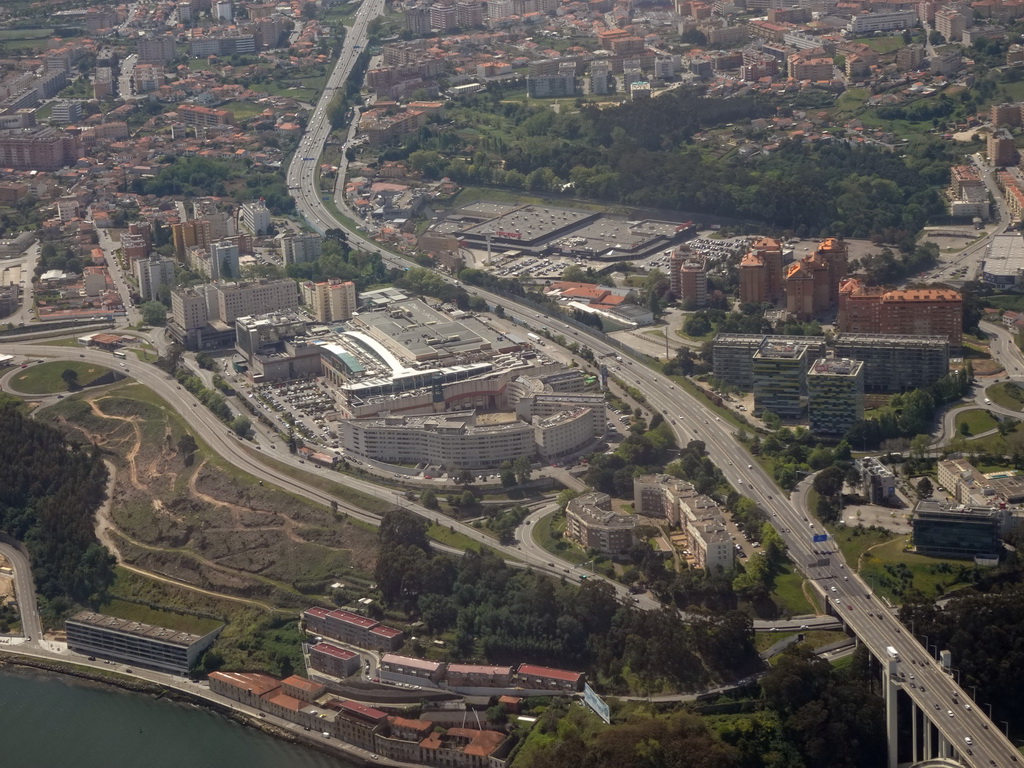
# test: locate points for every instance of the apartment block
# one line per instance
(1004, 114)
(333, 661)
(35, 149)
(194, 114)
(1002, 150)
(591, 522)
(352, 628)
(331, 301)
(204, 316)
(835, 392)
(950, 23)
(913, 312)
(254, 217)
(156, 49)
(812, 284)
(733, 354)
(191, 234)
(780, 379)
(662, 496)
(132, 642)
(301, 248)
(693, 283)
(761, 272)
(896, 363)
(153, 273)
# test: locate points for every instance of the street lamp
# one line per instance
(1006, 727)
(989, 710)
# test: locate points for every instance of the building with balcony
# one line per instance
(835, 394)
(780, 379)
(896, 363)
(132, 642)
(591, 522)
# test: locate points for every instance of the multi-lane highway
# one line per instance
(24, 591)
(303, 180)
(931, 688)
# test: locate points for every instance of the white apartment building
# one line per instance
(451, 440)
(153, 273)
(254, 217)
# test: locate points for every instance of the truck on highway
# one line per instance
(893, 653)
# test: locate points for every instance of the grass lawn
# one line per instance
(883, 45)
(977, 420)
(45, 379)
(445, 535)
(1006, 394)
(706, 337)
(62, 343)
(180, 622)
(789, 594)
(891, 571)
(1014, 301)
(243, 110)
(853, 542)
(559, 547)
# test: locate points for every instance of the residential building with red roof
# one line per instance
(334, 661)
(352, 628)
(249, 688)
(533, 677)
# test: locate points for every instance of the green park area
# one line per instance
(975, 422)
(1008, 394)
(895, 573)
(50, 378)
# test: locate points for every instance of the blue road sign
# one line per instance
(820, 537)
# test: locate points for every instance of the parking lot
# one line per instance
(305, 401)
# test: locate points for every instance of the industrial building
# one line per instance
(835, 392)
(1003, 266)
(132, 642)
(536, 230)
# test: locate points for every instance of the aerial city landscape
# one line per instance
(516, 383)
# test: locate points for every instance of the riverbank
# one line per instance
(53, 719)
(157, 691)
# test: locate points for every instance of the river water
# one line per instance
(47, 721)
